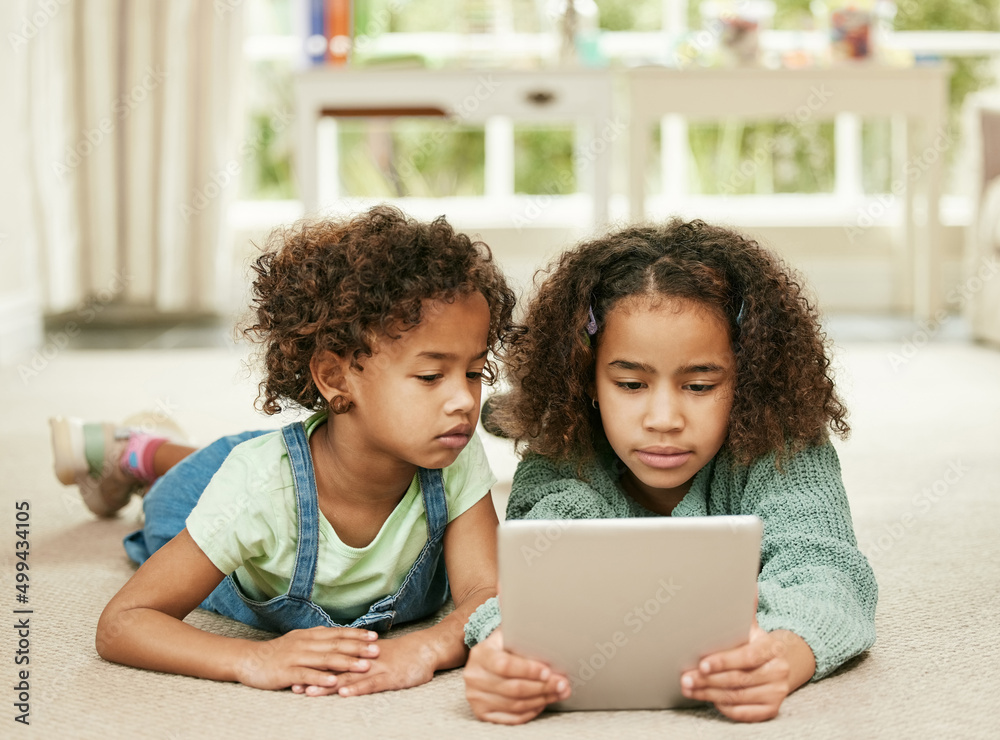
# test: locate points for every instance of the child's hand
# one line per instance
(506, 688)
(403, 662)
(313, 656)
(749, 683)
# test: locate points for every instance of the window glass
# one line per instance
(543, 160)
(410, 157)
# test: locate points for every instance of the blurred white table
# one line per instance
(489, 97)
(916, 96)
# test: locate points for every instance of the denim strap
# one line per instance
(435, 502)
(304, 479)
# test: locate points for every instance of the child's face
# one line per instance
(417, 399)
(664, 380)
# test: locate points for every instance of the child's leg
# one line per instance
(109, 463)
(168, 455)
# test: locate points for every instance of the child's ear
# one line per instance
(329, 373)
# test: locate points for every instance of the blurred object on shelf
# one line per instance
(577, 24)
(735, 29)
(326, 28)
(857, 28)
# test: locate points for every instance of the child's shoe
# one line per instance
(92, 457)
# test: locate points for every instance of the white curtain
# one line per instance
(134, 111)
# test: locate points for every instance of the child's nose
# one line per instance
(462, 397)
(664, 413)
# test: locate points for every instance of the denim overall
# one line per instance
(423, 592)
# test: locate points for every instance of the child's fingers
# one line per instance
(354, 686)
(531, 706)
(520, 688)
(750, 712)
(330, 641)
(491, 655)
(507, 718)
(764, 694)
(345, 633)
(771, 672)
(746, 657)
(328, 660)
(495, 707)
(301, 688)
(508, 665)
(319, 690)
(306, 677)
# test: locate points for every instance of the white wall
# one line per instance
(20, 312)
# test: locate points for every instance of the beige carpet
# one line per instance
(922, 469)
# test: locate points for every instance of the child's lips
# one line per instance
(457, 437)
(664, 458)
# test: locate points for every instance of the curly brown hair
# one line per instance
(784, 397)
(336, 286)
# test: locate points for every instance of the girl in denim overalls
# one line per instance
(332, 530)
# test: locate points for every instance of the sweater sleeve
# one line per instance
(543, 489)
(814, 581)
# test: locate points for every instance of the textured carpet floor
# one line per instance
(922, 470)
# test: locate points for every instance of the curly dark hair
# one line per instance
(338, 285)
(784, 397)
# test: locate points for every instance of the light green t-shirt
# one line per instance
(246, 523)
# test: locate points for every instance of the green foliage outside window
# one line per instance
(410, 157)
(543, 161)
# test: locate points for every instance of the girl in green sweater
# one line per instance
(679, 370)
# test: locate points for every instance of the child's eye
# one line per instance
(476, 375)
(428, 378)
(700, 387)
(629, 385)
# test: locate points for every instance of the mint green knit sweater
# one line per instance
(814, 581)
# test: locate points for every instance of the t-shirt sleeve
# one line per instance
(467, 479)
(814, 581)
(233, 521)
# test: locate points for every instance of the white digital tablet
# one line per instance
(624, 606)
